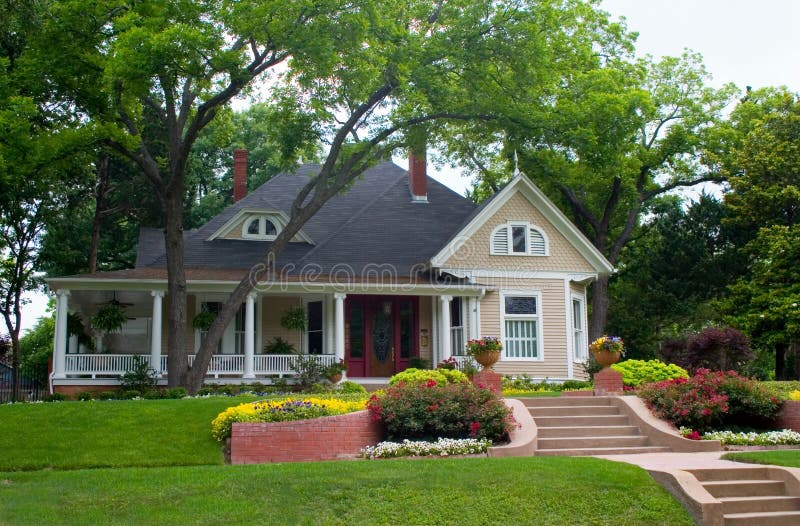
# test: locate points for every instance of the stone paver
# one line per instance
(665, 461)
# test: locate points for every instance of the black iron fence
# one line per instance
(32, 380)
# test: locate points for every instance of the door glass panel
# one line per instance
(406, 329)
(356, 330)
(382, 335)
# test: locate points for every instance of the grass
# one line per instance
(154, 462)
(534, 490)
(778, 457)
(72, 435)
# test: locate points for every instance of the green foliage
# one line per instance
(84, 396)
(526, 383)
(415, 362)
(782, 389)
(109, 318)
(203, 320)
(278, 345)
(308, 371)
(36, 346)
(710, 399)
(638, 372)
(413, 376)
(140, 377)
(294, 319)
(430, 410)
(351, 387)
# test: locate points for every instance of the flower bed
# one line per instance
(442, 447)
(769, 438)
(281, 410)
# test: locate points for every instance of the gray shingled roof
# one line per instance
(373, 223)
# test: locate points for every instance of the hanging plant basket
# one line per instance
(109, 318)
(203, 320)
(294, 319)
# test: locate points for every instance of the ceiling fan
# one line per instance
(115, 302)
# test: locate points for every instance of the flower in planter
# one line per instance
(487, 343)
(609, 344)
(451, 364)
(336, 368)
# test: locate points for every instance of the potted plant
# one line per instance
(203, 320)
(109, 318)
(335, 371)
(607, 350)
(294, 319)
(486, 350)
(278, 345)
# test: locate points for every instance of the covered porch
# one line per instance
(376, 330)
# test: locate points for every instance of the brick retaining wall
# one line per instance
(326, 438)
(789, 417)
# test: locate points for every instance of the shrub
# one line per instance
(153, 394)
(278, 345)
(308, 371)
(420, 376)
(351, 387)
(715, 348)
(140, 377)
(419, 363)
(710, 399)
(176, 392)
(280, 411)
(524, 383)
(430, 410)
(55, 397)
(107, 395)
(85, 396)
(638, 372)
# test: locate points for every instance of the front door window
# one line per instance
(381, 334)
(382, 341)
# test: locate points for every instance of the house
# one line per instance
(396, 268)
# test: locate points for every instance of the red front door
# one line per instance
(381, 334)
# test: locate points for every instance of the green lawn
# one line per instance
(778, 457)
(70, 435)
(154, 462)
(557, 491)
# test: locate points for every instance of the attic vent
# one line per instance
(500, 241)
(538, 246)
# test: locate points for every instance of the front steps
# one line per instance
(580, 426)
(751, 496)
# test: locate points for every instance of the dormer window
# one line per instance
(518, 238)
(260, 227)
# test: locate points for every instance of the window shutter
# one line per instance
(537, 245)
(500, 241)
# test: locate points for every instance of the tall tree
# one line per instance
(618, 134)
(765, 198)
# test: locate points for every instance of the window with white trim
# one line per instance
(518, 238)
(314, 328)
(579, 344)
(260, 227)
(521, 326)
(457, 343)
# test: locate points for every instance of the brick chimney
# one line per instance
(239, 174)
(418, 176)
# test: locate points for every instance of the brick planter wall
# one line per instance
(490, 379)
(326, 438)
(789, 417)
(607, 382)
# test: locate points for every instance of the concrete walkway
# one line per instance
(666, 461)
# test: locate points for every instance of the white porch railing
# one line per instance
(221, 364)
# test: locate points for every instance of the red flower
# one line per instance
(473, 428)
(431, 383)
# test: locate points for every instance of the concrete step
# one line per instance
(593, 442)
(760, 504)
(749, 473)
(565, 401)
(597, 420)
(589, 451)
(573, 410)
(587, 431)
(767, 518)
(745, 488)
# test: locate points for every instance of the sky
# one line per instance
(748, 43)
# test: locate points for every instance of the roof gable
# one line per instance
(522, 186)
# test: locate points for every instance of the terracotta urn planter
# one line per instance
(335, 378)
(487, 358)
(606, 358)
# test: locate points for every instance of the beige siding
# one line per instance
(474, 253)
(273, 308)
(553, 318)
(235, 232)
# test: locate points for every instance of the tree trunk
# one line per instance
(99, 198)
(780, 361)
(599, 315)
(177, 365)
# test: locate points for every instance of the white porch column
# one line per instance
(60, 347)
(155, 332)
(338, 298)
(249, 336)
(444, 324)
